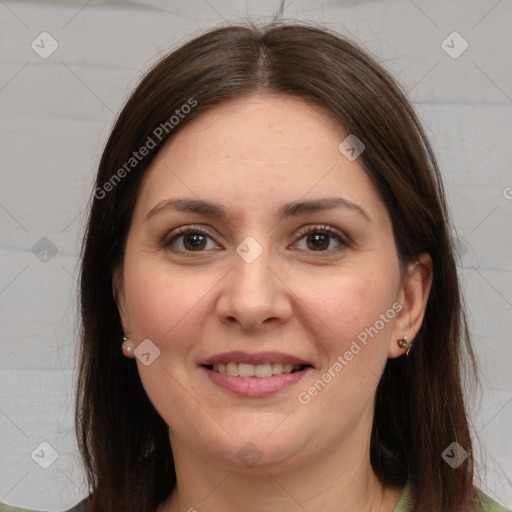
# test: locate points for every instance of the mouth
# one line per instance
(254, 375)
(261, 371)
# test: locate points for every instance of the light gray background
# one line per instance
(56, 114)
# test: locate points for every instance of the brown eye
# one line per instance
(188, 239)
(318, 239)
(194, 241)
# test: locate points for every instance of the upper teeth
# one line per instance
(254, 370)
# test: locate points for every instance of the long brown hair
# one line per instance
(420, 408)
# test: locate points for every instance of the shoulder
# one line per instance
(487, 504)
(8, 508)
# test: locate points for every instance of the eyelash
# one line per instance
(311, 230)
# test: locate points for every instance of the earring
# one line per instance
(402, 343)
(127, 347)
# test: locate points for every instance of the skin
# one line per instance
(253, 155)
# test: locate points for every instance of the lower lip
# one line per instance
(253, 387)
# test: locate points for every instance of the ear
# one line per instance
(119, 297)
(413, 296)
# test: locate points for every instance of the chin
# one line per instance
(261, 448)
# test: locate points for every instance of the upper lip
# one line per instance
(255, 358)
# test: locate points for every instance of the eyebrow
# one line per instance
(288, 210)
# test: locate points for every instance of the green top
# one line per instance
(404, 504)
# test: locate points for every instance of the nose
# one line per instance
(254, 295)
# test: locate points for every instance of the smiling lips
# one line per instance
(255, 375)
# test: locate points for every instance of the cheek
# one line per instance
(357, 321)
(350, 310)
(164, 302)
(149, 298)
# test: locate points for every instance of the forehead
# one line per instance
(266, 129)
(280, 148)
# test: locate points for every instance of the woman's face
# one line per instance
(252, 286)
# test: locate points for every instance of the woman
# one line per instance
(269, 247)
